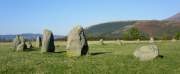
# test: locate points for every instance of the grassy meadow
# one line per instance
(110, 58)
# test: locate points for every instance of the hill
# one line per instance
(153, 28)
(113, 29)
(175, 17)
(159, 28)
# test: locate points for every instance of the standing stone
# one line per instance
(29, 45)
(120, 42)
(22, 39)
(160, 40)
(101, 41)
(22, 46)
(76, 42)
(16, 42)
(48, 41)
(38, 42)
(173, 40)
(146, 53)
(138, 40)
(151, 40)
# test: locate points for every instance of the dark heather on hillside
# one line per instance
(150, 27)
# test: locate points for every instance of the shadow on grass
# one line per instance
(32, 49)
(160, 56)
(98, 53)
(60, 52)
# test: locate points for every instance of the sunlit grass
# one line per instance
(110, 58)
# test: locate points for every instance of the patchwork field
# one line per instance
(110, 58)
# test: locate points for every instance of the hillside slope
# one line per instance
(175, 17)
(109, 28)
(151, 27)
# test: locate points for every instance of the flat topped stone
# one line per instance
(148, 52)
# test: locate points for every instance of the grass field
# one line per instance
(110, 58)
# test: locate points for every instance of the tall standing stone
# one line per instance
(77, 43)
(48, 41)
(38, 42)
(22, 39)
(16, 42)
(146, 53)
(22, 46)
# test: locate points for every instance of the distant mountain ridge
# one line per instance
(175, 17)
(28, 36)
(155, 28)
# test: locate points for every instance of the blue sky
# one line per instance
(32, 16)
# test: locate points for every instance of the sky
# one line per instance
(60, 16)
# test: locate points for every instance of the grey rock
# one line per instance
(120, 42)
(19, 43)
(101, 41)
(151, 40)
(48, 41)
(173, 40)
(29, 44)
(146, 53)
(21, 47)
(38, 42)
(77, 43)
(16, 42)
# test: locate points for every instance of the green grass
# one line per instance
(102, 59)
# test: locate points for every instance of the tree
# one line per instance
(125, 36)
(177, 35)
(165, 36)
(133, 34)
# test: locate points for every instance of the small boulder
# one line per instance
(101, 41)
(146, 53)
(138, 41)
(173, 40)
(120, 42)
(151, 40)
(29, 44)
